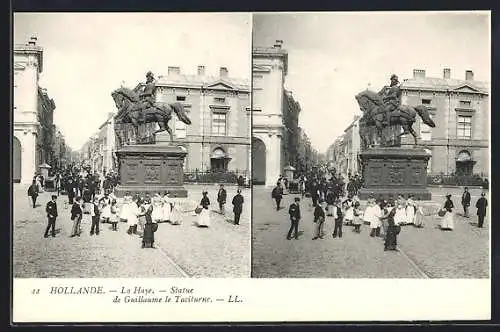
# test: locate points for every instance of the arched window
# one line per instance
(219, 160)
(464, 164)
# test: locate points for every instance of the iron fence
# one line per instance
(458, 180)
(230, 177)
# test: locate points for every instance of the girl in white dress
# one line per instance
(132, 212)
(447, 224)
(419, 216)
(410, 210)
(400, 215)
(125, 207)
(157, 214)
(167, 207)
(106, 208)
(348, 210)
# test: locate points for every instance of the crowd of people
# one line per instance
(337, 204)
(93, 203)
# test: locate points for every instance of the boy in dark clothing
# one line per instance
(51, 210)
(319, 220)
(338, 220)
(33, 192)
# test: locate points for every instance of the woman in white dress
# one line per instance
(419, 216)
(204, 216)
(167, 207)
(447, 223)
(410, 210)
(157, 214)
(175, 213)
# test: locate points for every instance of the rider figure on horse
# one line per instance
(391, 97)
(147, 96)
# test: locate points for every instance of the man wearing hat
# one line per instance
(481, 205)
(391, 96)
(51, 210)
(466, 202)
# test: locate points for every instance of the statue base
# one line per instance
(150, 169)
(392, 171)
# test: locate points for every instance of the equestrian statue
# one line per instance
(384, 109)
(139, 107)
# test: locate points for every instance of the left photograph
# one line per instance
(131, 145)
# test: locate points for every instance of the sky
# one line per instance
(88, 55)
(334, 56)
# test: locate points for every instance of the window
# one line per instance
(181, 98)
(464, 127)
(425, 131)
(465, 103)
(220, 100)
(219, 124)
(426, 101)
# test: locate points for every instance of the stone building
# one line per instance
(27, 65)
(352, 147)
(269, 68)
(218, 140)
(459, 144)
(104, 146)
(46, 130)
(292, 131)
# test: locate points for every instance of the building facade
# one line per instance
(28, 64)
(269, 69)
(459, 144)
(292, 131)
(352, 147)
(218, 139)
(103, 147)
(45, 150)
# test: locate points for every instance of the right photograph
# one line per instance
(371, 145)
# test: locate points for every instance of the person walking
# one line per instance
(277, 195)
(76, 216)
(410, 210)
(51, 210)
(221, 198)
(481, 205)
(204, 216)
(237, 206)
(150, 226)
(319, 220)
(294, 212)
(94, 228)
(447, 223)
(33, 192)
(390, 242)
(466, 202)
(337, 230)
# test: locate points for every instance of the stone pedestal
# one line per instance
(389, 172)
(151, 168)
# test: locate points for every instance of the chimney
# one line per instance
(32, 41)
(278, 43)
(418, 73)
(469, 75)
(201, 70)
(446, 73)
(174, 70)
(223, 72)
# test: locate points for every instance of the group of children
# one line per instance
(385, 218)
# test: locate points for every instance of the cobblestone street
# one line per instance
(223, 250)
(423, 252)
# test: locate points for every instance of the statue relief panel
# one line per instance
(131, 171)
(174, 172)
(395, 174)
(374, 176)
(152, 173)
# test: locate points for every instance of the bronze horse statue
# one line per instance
(374, 114)
(129, 107)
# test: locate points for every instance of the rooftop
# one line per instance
(441, 84)
(198, 81)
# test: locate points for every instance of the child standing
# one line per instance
(113, 218)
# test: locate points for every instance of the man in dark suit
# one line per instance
(237, 207)
(277, 195)
(482, 204)
(221, 198)
(294, 212)
(466, 202)
(51, 210)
